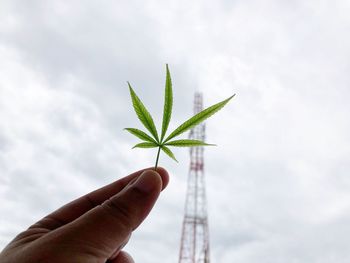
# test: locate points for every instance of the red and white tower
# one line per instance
(195, 235)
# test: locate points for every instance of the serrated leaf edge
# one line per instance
(198, 118)
(141, 135)
(168, 103)
(168, 152)
(145, 145)
(143, 114)
(187, 143)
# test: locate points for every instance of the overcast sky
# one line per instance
(278, 183)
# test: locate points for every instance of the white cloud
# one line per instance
(278, 181)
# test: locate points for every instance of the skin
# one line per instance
(93, 228)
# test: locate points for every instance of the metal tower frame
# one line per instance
(195, 233)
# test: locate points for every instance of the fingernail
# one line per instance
(146, 181)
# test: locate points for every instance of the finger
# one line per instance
(78, 207)
(119, 248)
(123, 257)
(106, 227)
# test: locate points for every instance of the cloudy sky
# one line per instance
(278, 183)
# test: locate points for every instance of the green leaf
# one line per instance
(168, 103)
(198, 118)
(187, 143)
(146, 145)
(169, 153)
(162, 142)
(143, 114)
(140, 134)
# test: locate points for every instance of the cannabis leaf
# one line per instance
(162, 143)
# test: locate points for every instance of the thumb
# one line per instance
(104, 230)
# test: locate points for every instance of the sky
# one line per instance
(278, 184)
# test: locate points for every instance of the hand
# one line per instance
(93, 228)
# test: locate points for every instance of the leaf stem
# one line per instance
(155, 167)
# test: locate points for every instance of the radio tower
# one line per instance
(195, 237)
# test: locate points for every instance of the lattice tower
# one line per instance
(194, 246)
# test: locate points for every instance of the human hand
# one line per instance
(92, 228)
